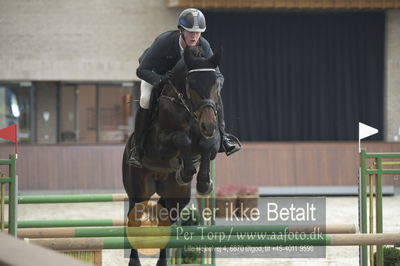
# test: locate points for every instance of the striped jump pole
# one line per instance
(180, 231)
(200, 241)
(69, 223)
(37, 199)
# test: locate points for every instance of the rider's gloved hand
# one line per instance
(166, 77)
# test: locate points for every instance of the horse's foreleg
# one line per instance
(183, 143)
(188, 170)
(204, 185)
(134, 258)
(177, 202)
(162, 259)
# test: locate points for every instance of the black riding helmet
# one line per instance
(193, 20)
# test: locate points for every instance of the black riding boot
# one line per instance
(229, 143)
(142, 122)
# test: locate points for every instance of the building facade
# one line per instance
(67, 77)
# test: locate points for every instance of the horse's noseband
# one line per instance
(205, 103)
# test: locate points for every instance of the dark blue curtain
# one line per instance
(300, 76)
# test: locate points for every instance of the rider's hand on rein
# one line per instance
(164, 78)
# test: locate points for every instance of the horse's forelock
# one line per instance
(194, 58)
(197, 51)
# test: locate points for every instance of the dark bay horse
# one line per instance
(182, 140)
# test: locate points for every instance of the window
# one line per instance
(91, 113)
(69, 112)
(15, 108)
(115, 106)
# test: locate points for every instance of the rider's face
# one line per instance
(191, 38)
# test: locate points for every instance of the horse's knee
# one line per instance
(181, 140)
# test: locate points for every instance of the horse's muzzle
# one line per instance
(207, 130)
(208, 122)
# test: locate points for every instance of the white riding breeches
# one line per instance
(145, 93)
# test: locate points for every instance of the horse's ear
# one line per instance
(216, 58)
(188, 57)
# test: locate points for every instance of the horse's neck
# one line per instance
(179, 74)
(177, 86)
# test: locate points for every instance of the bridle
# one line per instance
(181, 98)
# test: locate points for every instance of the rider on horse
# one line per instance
(154, 70)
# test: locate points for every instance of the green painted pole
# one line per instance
(383, 155)
(3, 181)
(2, 205)
(379, 213)
(68, 223)
(170, 231)
(13, 191)
(100, 232)
(37, 199)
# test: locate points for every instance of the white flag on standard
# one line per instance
(364, 131)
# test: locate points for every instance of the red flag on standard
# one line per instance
(10, 133)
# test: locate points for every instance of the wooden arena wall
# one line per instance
(267, 164)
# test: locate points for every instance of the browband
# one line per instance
(202, 70)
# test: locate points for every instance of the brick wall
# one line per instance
(78, 40)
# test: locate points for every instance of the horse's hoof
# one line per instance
(162, 262)
(134, 262)
(204, 188)
(181, 180)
